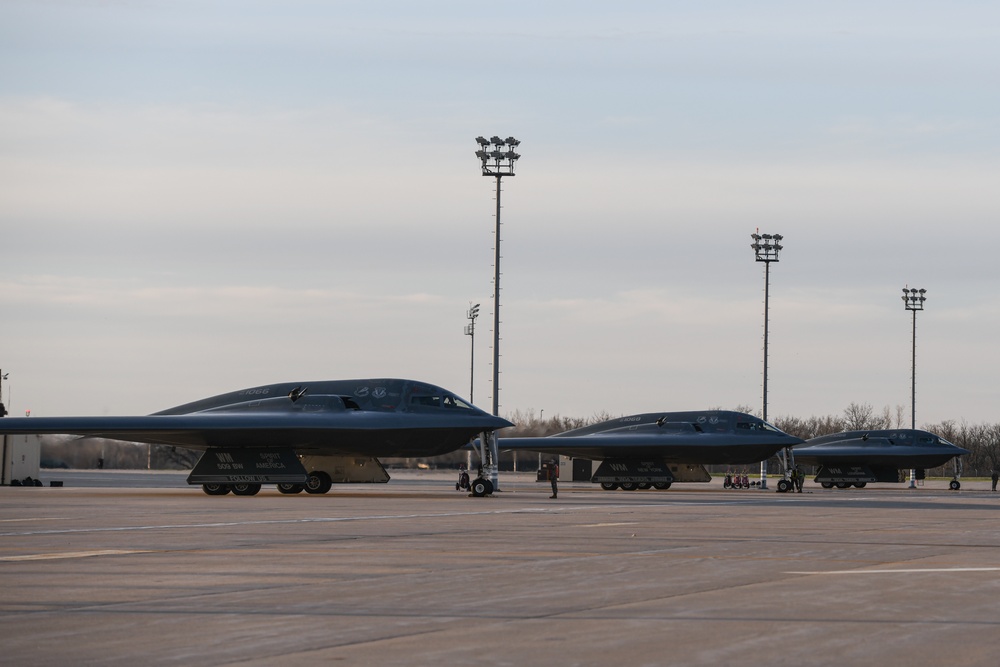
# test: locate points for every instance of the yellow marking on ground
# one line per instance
(40, 518)
(71, 554)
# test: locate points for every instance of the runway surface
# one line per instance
(415, 573)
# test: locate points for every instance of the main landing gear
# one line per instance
(481, 487)
(318, 482)
(238, 489)
(635, 486)
(484, 485)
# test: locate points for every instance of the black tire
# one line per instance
(843, 485)
(290, 489)
(644, 485)
(629, 486)
(784, 486)
(318, 483)
(609, 486)
(481, 487)
(826, 485)
(860, 485)
(215, 489)
(246, 489)
(661, 486)
(954, 485)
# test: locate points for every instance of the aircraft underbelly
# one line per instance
(242, 465)
(348, 469)
(707, 454)
(850, 474)
(394, 442)
(618, 471)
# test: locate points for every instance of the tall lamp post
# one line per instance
(470, 330)
(3, 438)
(3, 409)
(497, 157)
(765, 248)
(913, 300)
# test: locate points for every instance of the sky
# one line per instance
(197, 197)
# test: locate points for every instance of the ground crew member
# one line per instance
(554, 478)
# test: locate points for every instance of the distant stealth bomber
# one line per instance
(854, 458)
(657, 449)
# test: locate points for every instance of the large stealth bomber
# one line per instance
(658, 448)
(298, 435)
(854, 458)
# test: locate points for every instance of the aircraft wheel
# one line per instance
(860, 485)
(644, 485)
(954, 485)
(318, 482)
(482, 487)
(826, 485)
(629, 486)
(609, 486)
(290, 488)
(246, 489)
(843, 485)
(661, 486)
(215, 489)
(784, 486)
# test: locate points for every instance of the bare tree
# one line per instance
(861, 417)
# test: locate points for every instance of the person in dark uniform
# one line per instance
(553, 469)
(994, 478)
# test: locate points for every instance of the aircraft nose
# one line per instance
(499, 423)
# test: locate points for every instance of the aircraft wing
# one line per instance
(367, 433)
(898, 448)
(706, 449)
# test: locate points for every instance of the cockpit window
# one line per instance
(455, 402)
(756, 426)
(446, 401)
(426, 401)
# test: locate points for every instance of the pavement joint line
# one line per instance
(915, 570)
(375, 517)
(73, 554)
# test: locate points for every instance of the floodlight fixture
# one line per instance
(497, 155)
(766, 246)
(913, 299)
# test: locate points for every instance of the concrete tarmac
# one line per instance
(415, 573)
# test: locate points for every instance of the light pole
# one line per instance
(913, 300)
(470, 330)
(497, 157)
(3, 409)
(3, 438)
(765, 248)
